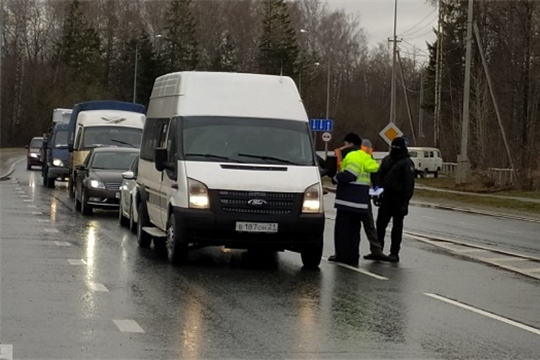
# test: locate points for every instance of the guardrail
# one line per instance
(501, 176)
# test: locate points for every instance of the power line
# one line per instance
(418, 23)
(422, 35)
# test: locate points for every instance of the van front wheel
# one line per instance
(177, 245)
(311, 256)
(143, 238)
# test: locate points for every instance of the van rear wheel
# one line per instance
(143, 238)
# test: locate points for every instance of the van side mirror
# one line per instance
(160, 159)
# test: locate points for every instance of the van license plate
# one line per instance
(117, 195)
(257, 227)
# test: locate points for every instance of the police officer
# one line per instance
(396, 177)
(352, 201)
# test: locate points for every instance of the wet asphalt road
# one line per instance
(80, 288)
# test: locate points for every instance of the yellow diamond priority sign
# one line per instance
(390, 132)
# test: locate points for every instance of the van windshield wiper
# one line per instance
(122, 142)
(211, 156)
(264, 157)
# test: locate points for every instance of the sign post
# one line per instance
(326, 136)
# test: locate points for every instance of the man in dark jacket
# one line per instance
(396, 177)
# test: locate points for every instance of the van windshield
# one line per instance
(60, 139)
(245, 140)
(120, 136)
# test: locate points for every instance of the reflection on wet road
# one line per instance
(79, 287)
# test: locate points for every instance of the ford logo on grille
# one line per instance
(257, 202)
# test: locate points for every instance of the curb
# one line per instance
(7, 175)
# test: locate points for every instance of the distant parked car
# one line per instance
(33, 155)
(98, 179)
(127, 214)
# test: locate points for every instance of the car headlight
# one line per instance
(34, 155)
(57, 162)
(198, 195)
(97, 184)
(312, 200)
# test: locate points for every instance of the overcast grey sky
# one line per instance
(415, 21)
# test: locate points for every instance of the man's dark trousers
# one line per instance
(371, 232)
(347, 235)
(388, 212)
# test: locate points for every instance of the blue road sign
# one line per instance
(321, 124)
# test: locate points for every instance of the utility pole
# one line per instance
(463, 159)
(1, 50)
(438, 78)
(393, 94)
(420, 109)
(409, 112)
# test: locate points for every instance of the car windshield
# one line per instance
(111, 160)
(244, 140)
(120, 136)
(60, 139)
(36, 143)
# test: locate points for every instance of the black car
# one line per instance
(33, 154)
(98, 179)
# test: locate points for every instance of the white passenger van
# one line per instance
(426, 160)
(227, 160)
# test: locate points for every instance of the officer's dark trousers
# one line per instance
(388, 212)
(371, 232)
(347, 236)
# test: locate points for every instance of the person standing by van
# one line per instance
(396, 177)
(352, 200)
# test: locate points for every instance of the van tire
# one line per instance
(176, 241)
(311, 256)
(85, 208)
(50, 182)
(143, 239)
(77, 202)
(71, 189)
(132, 224)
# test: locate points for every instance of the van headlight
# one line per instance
(312, 203)
(57, 162)
(97, 184)
(198, 195)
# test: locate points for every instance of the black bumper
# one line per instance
(204, 228)
(58, 172)
(107, 198)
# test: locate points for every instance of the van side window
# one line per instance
(413, 154)
(426, 154)
(154, 135)
(431, 154)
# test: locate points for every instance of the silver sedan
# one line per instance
(127, 214)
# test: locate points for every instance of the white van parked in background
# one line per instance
(426, 160)
(227, 160)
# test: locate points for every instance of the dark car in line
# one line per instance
(33, 153)
(98, 179)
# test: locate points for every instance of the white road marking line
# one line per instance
(128, 326)
(6, 352)
(76, 262)
(62, 243)
(51, 230)
(18, 188)
(96, 287)
(23, 196)
(32, 206)
(28, 200)
(503, 259)
(360, 270)
(485, 313)
(37, 213)
(44, 220)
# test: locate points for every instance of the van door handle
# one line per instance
(175, 186)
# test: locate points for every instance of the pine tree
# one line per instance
(278, 48)
(182, 52)
(80, 46)
(226, 56)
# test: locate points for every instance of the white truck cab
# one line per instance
(227, 160)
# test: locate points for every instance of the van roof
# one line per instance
(193, 93)
(117, 117)
(422, 149)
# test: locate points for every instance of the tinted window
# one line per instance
(119, 136)
(259, 141)
(60, 139)
(112, 160)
